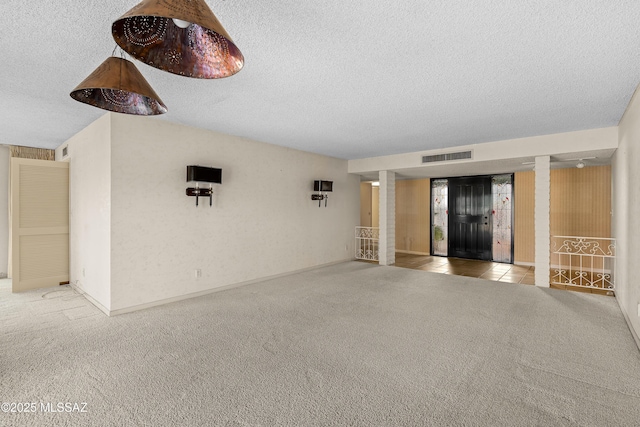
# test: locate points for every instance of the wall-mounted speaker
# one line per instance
(204, 174)
(323, 186)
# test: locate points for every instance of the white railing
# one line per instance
(587, 262)
(367, 243)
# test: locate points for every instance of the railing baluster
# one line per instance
(367, 243)
(595, 264)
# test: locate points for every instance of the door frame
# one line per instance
(513, 208)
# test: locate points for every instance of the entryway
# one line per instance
(472, 217)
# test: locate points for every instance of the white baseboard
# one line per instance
(89, 298)
(210, 291)
(634, 334)
(533, 264)
(411, 252)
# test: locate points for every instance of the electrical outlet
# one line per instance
(198, 273)
(83, 272)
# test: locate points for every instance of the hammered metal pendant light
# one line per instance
(179, 36)
(117, 85)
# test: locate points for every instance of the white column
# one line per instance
(542, 228)
(387, 215)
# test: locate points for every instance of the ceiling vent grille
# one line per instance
(446, 157)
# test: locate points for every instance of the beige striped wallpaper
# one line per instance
(580, 206)
(581, 202)
(413, 212)
(523, 226)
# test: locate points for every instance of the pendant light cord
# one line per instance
(122, 52)
(122, 56)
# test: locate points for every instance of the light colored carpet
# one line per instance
(351, 344)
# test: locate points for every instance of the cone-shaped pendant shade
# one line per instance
(149, 32)
(117, 85)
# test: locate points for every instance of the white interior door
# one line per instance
(39, 223)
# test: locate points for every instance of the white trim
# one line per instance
(89, 298)
(398, 251)
(635, 336)
(583, 237)
(528, 264)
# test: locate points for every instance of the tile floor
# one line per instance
(489, 270)
(468, 267)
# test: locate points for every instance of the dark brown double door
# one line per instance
(470, 227)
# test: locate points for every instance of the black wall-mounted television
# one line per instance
(322, 185)
(204, 174)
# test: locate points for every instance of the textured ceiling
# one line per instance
(350, 79)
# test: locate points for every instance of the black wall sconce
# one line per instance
(203, 174)
(322, 187)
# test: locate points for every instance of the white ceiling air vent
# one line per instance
(65, 151)
(446, 157)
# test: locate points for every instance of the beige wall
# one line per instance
(263, 222)
(89, 156)
(138, 239)
(626, 218)
(413, 215)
